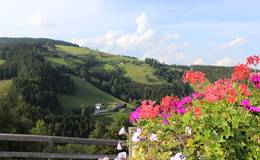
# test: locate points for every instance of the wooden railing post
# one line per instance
(49, 147)
(131, 148)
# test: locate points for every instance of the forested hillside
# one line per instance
(57, 84)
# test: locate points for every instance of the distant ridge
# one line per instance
(28, 40)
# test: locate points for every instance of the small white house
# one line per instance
(100, 106)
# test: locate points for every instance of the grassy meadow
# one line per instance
(86, 94)
(140, 73)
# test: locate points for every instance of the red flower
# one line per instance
(254, 59)
(241, 72)
(245, 90)
(220, 90)
(197, 111)
(231, 100)
(194, 77)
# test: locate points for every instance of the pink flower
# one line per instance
(255, 79)
(246, 103)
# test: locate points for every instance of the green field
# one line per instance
(74, 50)
(115, 58)
(4, 85)
(86, 94)
(108, 117)
(140, 73)
(57, 60)
(62, 61)
(2, 61)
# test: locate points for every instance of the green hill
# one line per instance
(135, 69)
(86, 94)
(141, 73)
(79, 51)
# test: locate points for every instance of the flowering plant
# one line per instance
(219, 121)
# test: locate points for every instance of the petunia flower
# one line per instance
(121, 156)
(255, 79)
(247, 105)
(119, 146)
(136, 136)
(153, 137)
(122, 131)
(188, 130)
(178, 156)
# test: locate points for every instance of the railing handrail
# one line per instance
(51, 140)
(57, 139)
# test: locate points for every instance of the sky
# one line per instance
(219, 32)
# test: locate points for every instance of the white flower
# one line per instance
(136, 136)
(138, 130)
(122, 131)
(121, 156)
(119, 146)
(153, 137)
(178, 156)
(188, 130)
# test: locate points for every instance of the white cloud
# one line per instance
(234, 43)
(169, 37)
(168, 53)
(132, 40)
(198, 61)
(224, 62)
(80, 41)
(143, 40)
(37, 21)
(141, 22)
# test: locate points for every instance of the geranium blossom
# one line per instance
(220, 90)
(244, 89)
(254, 59)
(168, 107)
(218, 101)
(197, 111)
(194, 77)
(241, 72)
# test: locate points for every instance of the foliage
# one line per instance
(101, 131)
(217, 123)
(40, 128)
(213, 73)
(16, 114)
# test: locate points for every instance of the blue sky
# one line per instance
(220, 32)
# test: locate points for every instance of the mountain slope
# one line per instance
(86, 94)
